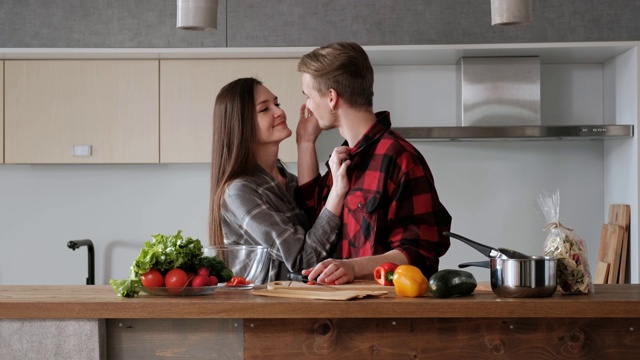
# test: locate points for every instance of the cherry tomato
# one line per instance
(203, 271)
(152, 278)
(200, 280)
(176, 278)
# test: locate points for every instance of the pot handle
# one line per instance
(484, 264)
(483, 249)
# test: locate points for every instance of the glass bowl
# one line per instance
(248, 261)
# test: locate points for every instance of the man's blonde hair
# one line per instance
(344, 67)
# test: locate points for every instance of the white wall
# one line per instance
(118, 207)
(490, 188)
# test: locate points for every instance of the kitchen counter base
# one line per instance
(477, 338)
(69, 339)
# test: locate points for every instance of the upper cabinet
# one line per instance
(159, 108)
(188, 89)
(1, 112)
(81, 111)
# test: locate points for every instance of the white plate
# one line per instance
(243, 287)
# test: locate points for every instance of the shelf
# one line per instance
(549, 53)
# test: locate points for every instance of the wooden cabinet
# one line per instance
(104, 111)
(188, 89)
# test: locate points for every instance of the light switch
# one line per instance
(81, 150)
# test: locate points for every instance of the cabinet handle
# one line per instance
(81, 150)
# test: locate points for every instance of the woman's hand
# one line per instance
(308, 129)
(332, 271)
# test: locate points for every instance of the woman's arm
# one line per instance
(248, 212)
(307, 133)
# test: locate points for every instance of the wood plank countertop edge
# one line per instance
(100, 302)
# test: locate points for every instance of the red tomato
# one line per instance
(203, 271)
(200, 280)
(152, 278)
(213, 281)
(176, 278)
(232, 282)
(237, 281)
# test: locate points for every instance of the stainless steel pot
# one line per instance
(521, 278)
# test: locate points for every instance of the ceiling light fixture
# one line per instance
(511, 12)
(197, 15)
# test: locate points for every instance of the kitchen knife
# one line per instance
(296, 276)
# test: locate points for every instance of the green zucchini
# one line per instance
(449, 282)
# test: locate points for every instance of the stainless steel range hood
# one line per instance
(499, 99)
(515, 133)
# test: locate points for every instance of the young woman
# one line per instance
(252, 194)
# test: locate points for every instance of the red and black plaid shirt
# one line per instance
(392, 201)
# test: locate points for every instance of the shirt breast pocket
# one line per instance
(361, 218)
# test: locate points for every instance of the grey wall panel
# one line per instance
(393, 22)
(257, 23)
(100, 24)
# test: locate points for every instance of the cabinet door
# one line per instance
(188, 89)
(81, 111)
(1, 112)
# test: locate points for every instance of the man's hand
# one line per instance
(332, 271)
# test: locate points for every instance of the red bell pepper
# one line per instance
(383, 274)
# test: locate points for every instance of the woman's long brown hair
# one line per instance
(232, 156)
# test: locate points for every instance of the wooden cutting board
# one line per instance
(620, 214)
(358, 285)
(299, 290)
(357, 289)
(610, 248)
(602, 273)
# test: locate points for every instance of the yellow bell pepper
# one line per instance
(409, 281)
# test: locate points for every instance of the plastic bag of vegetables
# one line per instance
(570, 250)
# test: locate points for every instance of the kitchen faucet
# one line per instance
(76, 244)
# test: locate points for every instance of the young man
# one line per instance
(392, 211)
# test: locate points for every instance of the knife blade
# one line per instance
(296, 276)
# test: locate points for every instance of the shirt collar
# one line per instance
(268, 178)
(377, 129)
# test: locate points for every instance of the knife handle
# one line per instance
(296, 276)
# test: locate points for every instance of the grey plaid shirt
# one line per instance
(256, 210)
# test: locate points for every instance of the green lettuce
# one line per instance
(164, 252)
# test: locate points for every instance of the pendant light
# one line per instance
(197, 15)
(511, 12)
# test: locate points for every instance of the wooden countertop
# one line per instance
(96, 302)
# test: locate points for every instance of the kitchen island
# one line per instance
(236, 324)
